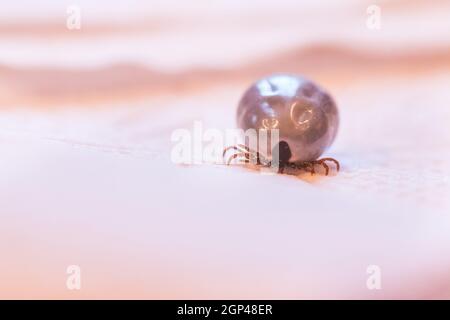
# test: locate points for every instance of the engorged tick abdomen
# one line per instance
(306, 115)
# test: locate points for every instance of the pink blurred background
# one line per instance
(86, 178)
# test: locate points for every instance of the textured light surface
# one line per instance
(86, 177)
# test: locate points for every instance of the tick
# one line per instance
(305, 115)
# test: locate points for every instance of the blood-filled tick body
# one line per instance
(305, 115)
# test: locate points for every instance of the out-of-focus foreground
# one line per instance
(86, 117)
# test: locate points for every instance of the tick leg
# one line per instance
(327, 169)
(236, 155)
(323, 160)
(243, 146)
(243, 150)
(307, 166)
(323, 163)
(311, 165)
(238, 147)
